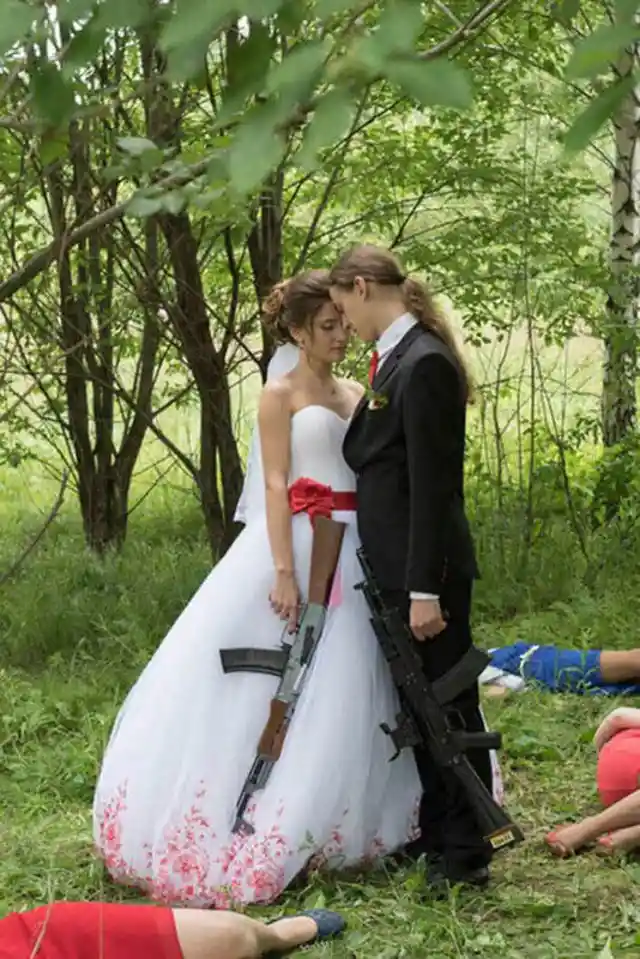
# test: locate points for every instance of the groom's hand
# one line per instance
(425, 618)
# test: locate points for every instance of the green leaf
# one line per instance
(16, 20)
(192, 20)
(594, 54)
(588, 123)
(141, 206)
(117, 14)
(395, 35)
(566, 11)
(70, 11)
(135, 146)
(298, 70)
(257, 149)
(188, 60)
(291, 16)
(248, 60)
(261, 9)
(189, 32)
(53, 99)
(83, 48)
(173, 202)
(366, 59)
(432, 83)
(325, 9)
(400, 26)
(248, 64)
(331, 120)
(52, 148)
(625, 10)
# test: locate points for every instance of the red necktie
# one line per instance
(373, 366)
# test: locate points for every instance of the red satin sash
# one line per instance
(316, 499)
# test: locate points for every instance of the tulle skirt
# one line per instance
(187, 734)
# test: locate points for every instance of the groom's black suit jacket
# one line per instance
(408, 456)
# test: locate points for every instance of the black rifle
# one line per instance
(425, 719)
(290, 663)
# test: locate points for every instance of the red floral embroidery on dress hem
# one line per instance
(176, 869)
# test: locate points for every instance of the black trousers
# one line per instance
(448, 826)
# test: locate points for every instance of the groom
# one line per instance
(406, 444)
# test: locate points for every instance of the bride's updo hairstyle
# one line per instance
(292, 304)
(377, 265)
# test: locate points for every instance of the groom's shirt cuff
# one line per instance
(431, 596)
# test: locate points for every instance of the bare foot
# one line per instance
(568, 839)
(619, 842)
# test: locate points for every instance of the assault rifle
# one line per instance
(426, 720)
(290, 663)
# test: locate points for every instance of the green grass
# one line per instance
(76, 632)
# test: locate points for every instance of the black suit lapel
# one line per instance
(355, 419)
(394, 357)
(390, 364)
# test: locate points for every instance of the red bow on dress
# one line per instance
(316, 499)
(308, 496)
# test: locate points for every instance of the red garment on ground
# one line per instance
(618, 773)
(90, 930)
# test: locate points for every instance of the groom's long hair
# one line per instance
(377, 265)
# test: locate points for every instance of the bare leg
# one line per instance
(619, 841)
(568, 839)
(230, 935)
(620, 667)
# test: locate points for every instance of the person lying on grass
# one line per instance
(86, 930)
(604, 672)
(617, 827)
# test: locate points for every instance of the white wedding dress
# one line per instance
(187, 733)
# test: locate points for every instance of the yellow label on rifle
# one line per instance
(503, 838)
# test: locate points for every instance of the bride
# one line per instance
(187, 733)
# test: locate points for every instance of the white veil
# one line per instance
(252, 497)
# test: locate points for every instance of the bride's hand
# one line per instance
(285, 599)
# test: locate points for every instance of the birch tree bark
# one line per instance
(623, 301)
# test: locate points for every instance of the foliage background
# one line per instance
(132, 358)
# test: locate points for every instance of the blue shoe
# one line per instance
(330, 924)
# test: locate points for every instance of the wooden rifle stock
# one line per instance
(273, 734)
(325, 553)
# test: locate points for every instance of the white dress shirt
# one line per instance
(393, 334)
(386, 343)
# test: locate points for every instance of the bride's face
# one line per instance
(328, 336)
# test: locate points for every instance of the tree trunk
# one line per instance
(620, 364)
(90, 380)
(191, 322)
(265, 252)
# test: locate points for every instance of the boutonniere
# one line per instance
(376, 401)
